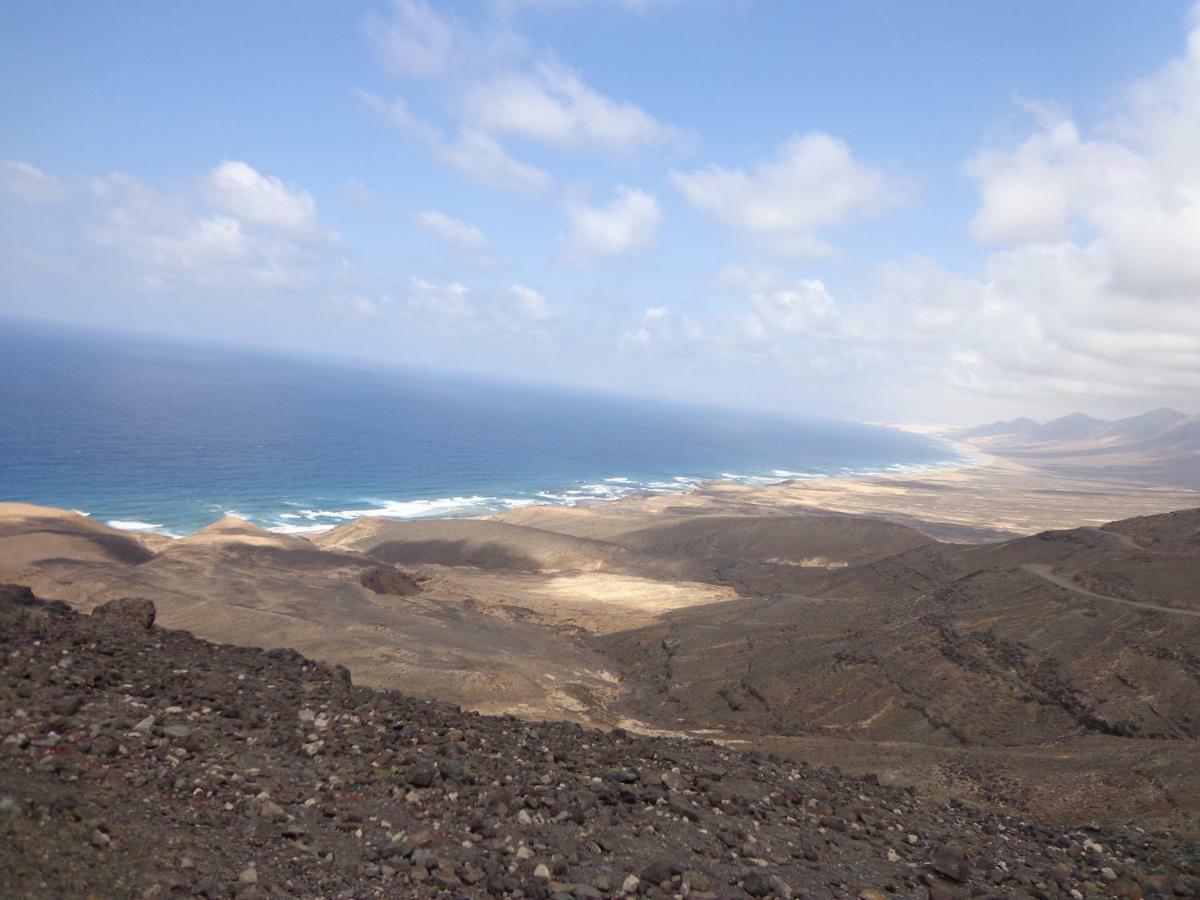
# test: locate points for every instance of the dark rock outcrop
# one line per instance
(390, 581)
(132, 612)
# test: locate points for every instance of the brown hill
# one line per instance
(33, 534)
(470, 542)
(154, 764)
(1077, 636)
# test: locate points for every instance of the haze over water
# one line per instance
(170, 437)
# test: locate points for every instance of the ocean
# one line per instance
(165, 436)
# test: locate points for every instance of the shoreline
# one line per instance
(987, 497)
(623, 489)
(978, 496)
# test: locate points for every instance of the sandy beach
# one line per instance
(988, 498)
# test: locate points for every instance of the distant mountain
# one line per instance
(1075, 427)
(1161, 446)
(1163, 423)
(1148, 425)
(1016, 426)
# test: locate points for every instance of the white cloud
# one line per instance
(491, 92)
(483, 159)
(812, 183)
(256, 199)
(796, 309)
(451, 231)
(450, 299)
(533, 304)
(552, 104)
(1091, 298)
(397, 114)
(658, 326)
(1129, 186)
(625, 225)
(414, 41)
(475, 154)
(357, 305)
(420, 40)
(30, 183)
(358, 193)
(638, 6)
(241, 229)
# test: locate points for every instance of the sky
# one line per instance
(928, 211)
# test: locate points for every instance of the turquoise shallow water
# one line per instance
(170, 436)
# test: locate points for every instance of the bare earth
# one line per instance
(979, 632)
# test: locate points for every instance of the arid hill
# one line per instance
(1053, 675)
(1085, 639)
(141, 762)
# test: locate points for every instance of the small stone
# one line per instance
(179, 732)
(1108, 874)
(66, 706)
(249, 875)
(697, 881)
(132, 612)
(542, 871)
(271, 811)
(757, 885)
(780, 887)
(630, 884)
(674, 781)
(145, 726)
(951, 862)
(104, 745)
(422, 776)
(659, 872)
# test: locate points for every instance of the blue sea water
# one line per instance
(166, 436)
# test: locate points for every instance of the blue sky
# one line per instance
(936, 211)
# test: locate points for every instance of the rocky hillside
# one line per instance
(139, 762)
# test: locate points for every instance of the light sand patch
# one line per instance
(597, 602)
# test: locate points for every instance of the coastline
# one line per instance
(302, 521)
(985, 497)
(979, 496)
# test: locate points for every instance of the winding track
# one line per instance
(1044, 572)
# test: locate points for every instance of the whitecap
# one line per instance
(298, 529)
(133, 525)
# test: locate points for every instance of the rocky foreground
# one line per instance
(141, 762)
